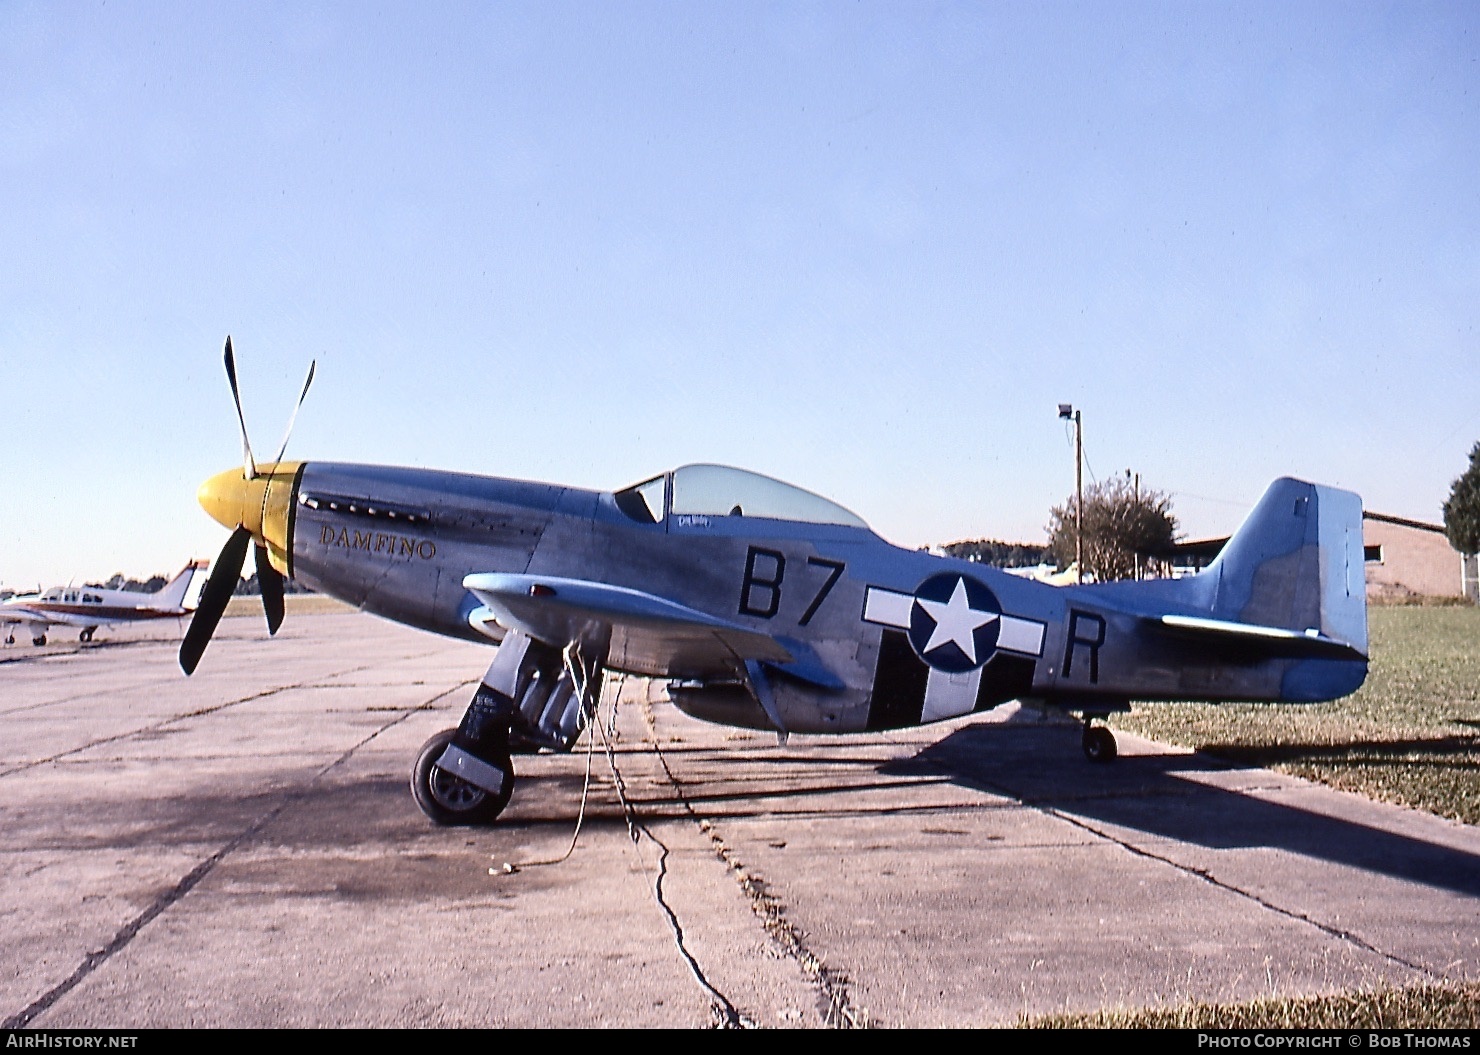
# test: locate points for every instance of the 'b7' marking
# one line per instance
(765, 569)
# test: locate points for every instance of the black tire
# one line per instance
(39, 640)
(446, 799)
(1099, 744)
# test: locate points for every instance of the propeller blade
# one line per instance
(248, 464)
(225, 574)
(294, 416)
(270, 580)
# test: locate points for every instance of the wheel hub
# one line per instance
(454, 793)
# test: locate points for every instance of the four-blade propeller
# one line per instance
(241, 497)
(225, 573)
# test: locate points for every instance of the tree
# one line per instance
(997, 554)
(1118, 526)
(249, 586)
(1462, 511)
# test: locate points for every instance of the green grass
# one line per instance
(295, 604)
(1410, 735)
(1414, 1007)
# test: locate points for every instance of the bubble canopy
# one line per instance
(721, 490)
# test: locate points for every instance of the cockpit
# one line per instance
(720, 491)
(69, 595)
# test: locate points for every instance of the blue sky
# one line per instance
(867, 248)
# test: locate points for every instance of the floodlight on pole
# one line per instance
(1068, 413)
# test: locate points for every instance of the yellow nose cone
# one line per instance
(224, 497)
(262, 505)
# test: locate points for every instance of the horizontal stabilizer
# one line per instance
(1309, 642)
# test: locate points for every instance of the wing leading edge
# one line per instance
(643, 633)
(17, 614)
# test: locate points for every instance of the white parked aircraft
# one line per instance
(90, 607)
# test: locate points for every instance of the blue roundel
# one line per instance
(954, 622)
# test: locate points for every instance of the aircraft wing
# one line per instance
(19, 614)
(46, 619)
(647, 634)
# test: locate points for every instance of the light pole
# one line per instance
(1136, 496)
(1068, 413)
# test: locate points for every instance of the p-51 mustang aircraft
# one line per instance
(89, 607)
(769, 607)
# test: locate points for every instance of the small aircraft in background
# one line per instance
(769, 607)
(90, 607)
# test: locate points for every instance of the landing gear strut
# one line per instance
(465, 775)
(1098, 741)
(532, 697)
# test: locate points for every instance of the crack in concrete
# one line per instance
(723, 1012)
(829, 985)
(62, 701)
(58, 650)
(199, 712)
(1207, 877)
(156, 727)
(95, 959)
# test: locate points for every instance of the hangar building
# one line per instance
(1408, 560)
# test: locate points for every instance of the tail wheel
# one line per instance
(1099, 744)
(450, 800)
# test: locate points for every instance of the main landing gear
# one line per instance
(1098, 741)
(87, 634)
(39, 640)
(532, 697)
(446, 797)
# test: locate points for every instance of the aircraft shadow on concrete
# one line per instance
(1160, 795)
(1035, 763)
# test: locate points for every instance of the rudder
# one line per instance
(1297, 563)
(173, 594)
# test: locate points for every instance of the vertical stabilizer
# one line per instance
(1297, 563)
(173, 594)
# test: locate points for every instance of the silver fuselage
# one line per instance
(399, 542)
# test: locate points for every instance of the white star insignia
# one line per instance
(955, 621)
